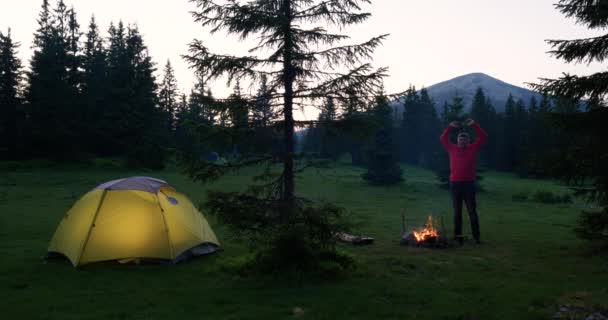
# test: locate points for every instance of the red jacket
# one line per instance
(463, 160)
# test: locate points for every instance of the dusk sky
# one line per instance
(430, 41)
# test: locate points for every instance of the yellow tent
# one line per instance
(131, 219)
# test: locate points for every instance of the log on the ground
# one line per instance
(356, 240)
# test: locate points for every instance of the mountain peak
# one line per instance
(466, 85)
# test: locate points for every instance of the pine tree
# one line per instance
(168, 96)
(74, 56)
(354, 110)
(10, 98)
(329, 146)
(263, 112)
(182, 110)
(418, 128)
(382, 165)
(51, 93)
(201, 100)
(305, 66)
(445, 110)
(491, 124)
(113, 125)
(583, 161)
(481, 112)
(506, 141)
(183, 115)
(312, 141)
(411, 125)
(199, 117)
(519, 133)
(134, 127)
(94, 88)
(431, 128)
(238, 108)
(532, 144)
(148, 139)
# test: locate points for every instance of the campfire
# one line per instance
(428, 233)
(427, 236)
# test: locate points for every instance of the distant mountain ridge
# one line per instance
(465, 86)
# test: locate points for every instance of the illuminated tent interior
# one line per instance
(131, 220)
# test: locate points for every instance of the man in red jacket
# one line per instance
(463, 158)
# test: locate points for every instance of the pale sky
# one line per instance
(430, 40)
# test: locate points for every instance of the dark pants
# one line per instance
(464, 191)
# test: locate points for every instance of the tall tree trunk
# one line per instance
(289, 76)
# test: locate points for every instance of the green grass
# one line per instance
(530, 262)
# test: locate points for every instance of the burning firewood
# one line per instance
(427, 236)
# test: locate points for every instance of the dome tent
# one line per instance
(131, 219)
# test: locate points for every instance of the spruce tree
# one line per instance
(238, 109)
(94, 88)
(354, 110)
(10, 98)
(583, 161)
(411, 125)
(329, 147)
(74, 55)
(134, 127)
(52, 94)
(507, 142)
(305, 65)
(114, 123)
(382, 164)
(311, 143)
(520, 132)
(183, 115)
(532, 144)
(168, 96)
(418, 128)
(430, 129)
(148, 139)
(200, 101)
(264, 113)
(480, 112)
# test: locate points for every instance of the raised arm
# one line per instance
(445, 136)
(482, 136)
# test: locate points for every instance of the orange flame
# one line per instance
(426, 233)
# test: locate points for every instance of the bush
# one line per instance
(550, 198)
(542, 197)
(593, 226)
(520, 197)
(286, 237)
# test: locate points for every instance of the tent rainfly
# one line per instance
(133, 219)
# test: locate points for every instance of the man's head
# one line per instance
(463, 139)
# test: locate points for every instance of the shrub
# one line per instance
(520, 197)
(593, 226)
(550, 198)
(293, 239)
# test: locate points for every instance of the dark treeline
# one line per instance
(89, 93)
(521, 138)
(83, 95)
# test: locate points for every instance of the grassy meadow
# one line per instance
(530, 261)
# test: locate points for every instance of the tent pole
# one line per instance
(86, 240)
(162, 214)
